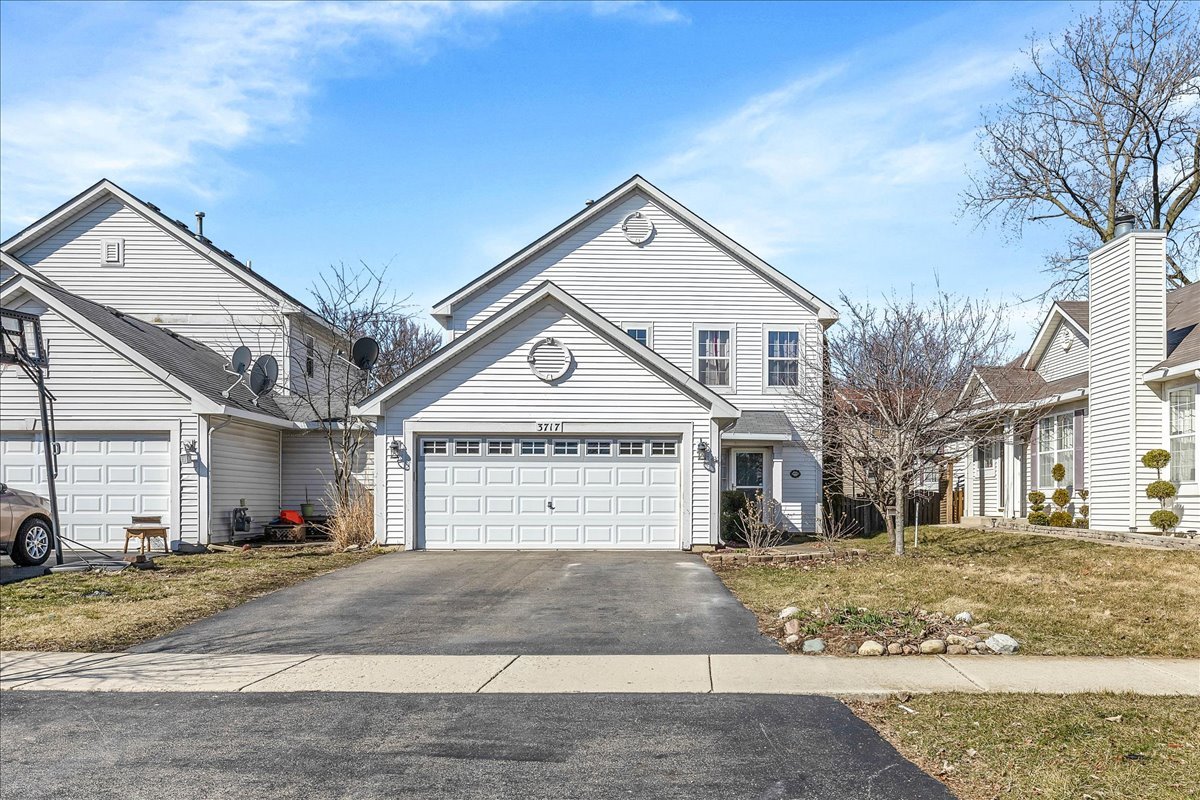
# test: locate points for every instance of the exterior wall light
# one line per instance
(396, 448)
(189, 453)
(702, 449)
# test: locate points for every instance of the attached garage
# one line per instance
(495, 492)
(104, 479)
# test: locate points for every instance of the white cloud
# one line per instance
(211, 77)
(650, 11)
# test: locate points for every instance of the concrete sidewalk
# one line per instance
(686, 674)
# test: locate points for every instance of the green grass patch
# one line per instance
(110, 611)
(1056, 596)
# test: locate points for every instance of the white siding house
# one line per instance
(706, 331)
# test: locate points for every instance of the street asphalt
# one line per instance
(314, 746)
(484, 603)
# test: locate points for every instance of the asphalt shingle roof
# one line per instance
(762, 423)
(1183, 318)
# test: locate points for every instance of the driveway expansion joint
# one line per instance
(496, 674)
(277, 672)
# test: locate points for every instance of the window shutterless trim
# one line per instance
(631, 448)
(533, 447)
(597, 448)
(500, 447)
(467, 447)
(728, 358)
(566, 447)
(667, 448)
(434, 447)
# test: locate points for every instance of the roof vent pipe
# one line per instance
(1124, 224)
(200, 223)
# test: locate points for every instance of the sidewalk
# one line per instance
(694, 674)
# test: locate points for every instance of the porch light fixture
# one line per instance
(396, 449)
(189, 453)
(702, 449)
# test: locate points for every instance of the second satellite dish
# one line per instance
(364, 353)
(263, 375)
(239, 362)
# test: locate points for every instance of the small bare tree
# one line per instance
(894, 401)
(760, 523)
(835, 527)
(403, 343)
(1105, 120)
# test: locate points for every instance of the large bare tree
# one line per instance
(1104, 120)
(894, 403)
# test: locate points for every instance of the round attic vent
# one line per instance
(637, 228)
(549, 359)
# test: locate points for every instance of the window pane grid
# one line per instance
(1056, 445)
(1182, 411)
(712, 362)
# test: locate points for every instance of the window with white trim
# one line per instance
(631, 448)
(500, 447)
(533, 447)
(639, 335)
(434, 447)
(467, 447)
(598, 449)
(783, 358)
(712, 357)
(310, 355)
(1056, 445)
(566, 448)
(663, 448)
(1182, 409)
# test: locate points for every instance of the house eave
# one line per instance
(1154, 376)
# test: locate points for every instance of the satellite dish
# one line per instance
(239, 362)
(364, 353)
(263, 375)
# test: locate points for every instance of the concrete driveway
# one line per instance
(530, 603)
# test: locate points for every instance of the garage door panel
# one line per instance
(531, 497)
(104, 478)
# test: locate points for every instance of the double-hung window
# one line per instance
(712, 357)
(310, 355)
(1182, 408)
(783, 358)
(1056, 445)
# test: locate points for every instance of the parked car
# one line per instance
(26, 535)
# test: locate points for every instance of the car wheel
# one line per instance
(32, 545)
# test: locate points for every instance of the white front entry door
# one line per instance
(590, 494)
(104, 479)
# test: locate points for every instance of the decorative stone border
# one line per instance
(1148, 540)
(742, 557)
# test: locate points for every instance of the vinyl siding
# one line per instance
(245, 464)
(495, 384)
(1058, 363)
(308, 466)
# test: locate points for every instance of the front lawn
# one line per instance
(1022, 746)
(1055, 596)
(104, 612)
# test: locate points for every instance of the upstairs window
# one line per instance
(1182, 404)
(712, 357)
(639, 335)
(783, 358)
(310, 355)
(1056, 445)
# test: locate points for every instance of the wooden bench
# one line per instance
(144, 529)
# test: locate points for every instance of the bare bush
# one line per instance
(351, 520)
(761, 523)
(835, 529)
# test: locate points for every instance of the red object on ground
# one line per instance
(291, 517)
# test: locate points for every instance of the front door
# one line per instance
(749, 472)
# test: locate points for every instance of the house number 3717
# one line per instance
(550, 427)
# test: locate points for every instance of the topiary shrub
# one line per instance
(1081, 522)
(1036, 499)
(1061, 519)
(1039, 518)
(1058, 472)
(733, 502)
(1061, 498)
(1156, 459)
(1160, 490)
(1164, 519)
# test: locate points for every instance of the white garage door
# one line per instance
(103, 479)
(496, 493)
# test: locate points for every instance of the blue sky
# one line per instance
(831, 139)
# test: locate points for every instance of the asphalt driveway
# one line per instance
(455, 603)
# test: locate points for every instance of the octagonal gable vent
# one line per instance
(637, 228)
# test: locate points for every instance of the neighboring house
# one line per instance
(140, 316)
(1104, 381)
(600, 389)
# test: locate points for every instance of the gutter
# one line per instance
(1191, 369)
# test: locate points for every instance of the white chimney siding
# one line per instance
(1127, 298)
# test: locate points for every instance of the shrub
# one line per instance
(1160, 490)
(1036, 499)
(351, 522)
(761, 523)
(1156, 459)
(1039, 518)
(1061, 497)
(1083, 495)
(1085, 511)
(1164, 519)
(1081, 522)
(1058, 472)
(1061, 519)
(732, 503)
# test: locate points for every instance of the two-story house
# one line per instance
(141, 315)
(1104, 381)
(601, 387)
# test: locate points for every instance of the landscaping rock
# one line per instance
(954, 638)
(1002, 643)
(790, 611)
(956, 650)
(895, 649)
(932, 647)
(910, 650)
(964, 617)
(870, 648)
(813, 646)
(791, 626)
(792, 639)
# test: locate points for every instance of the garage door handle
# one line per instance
(550, 504)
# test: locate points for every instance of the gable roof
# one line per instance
(543, 293)
(104, 189)
(637, 184)
(186, 365)
(1073, 313)
(1183, 319)
(1014, 385)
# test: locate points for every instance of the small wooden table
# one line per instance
(144, 529)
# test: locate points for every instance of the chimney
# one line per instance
(1127, 336)
(1123, 224)
(200, 224)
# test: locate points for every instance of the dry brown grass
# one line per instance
(351, 522)
(1099, 746)
(1056, 596)
(110, 611)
